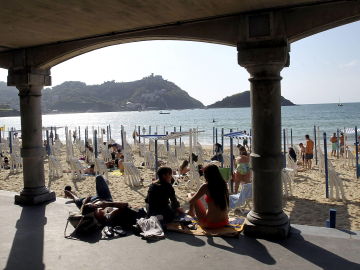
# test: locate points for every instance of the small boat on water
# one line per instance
(164, 112)
(340, 104)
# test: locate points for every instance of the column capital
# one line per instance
(28, 77)
(264, 56)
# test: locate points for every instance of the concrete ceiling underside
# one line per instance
(29, 23)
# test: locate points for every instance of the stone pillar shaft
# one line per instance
(32, 150)
(264, 64)
(266, 143)
(30, 82)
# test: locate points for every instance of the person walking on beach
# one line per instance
(333, 141)
(309, 152)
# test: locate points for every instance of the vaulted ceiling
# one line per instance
(29, 23)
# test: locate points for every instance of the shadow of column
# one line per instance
(28, 244)
(317, 255)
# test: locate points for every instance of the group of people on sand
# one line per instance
(337, 142)
(161, 202)
(306, 153)
(116, 155)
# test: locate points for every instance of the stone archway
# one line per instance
(262, 39)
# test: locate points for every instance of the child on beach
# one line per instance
(302, 153)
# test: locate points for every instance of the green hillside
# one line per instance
(242, 100)
(151, 92)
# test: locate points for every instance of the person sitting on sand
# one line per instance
(161, 197)
(184, 167)
(218, 153)
(90, 170)
(242, 174)
(120, 163)
(216, 195)
(6, 164)
(292, 154)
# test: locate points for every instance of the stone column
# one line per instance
(264, 63)
(30, 82)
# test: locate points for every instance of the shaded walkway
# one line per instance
(32, 238)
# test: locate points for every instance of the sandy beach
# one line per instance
(307, 205)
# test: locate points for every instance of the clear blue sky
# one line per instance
(323, 68)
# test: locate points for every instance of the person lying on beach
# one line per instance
(184, 167)
(161, 198)
(90, 170)
(216, 195)
(106, 211)
(242, 174)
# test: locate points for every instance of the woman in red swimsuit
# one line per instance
(217, 197)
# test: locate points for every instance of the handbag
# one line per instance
(83, 224)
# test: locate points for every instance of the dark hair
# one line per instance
(292, 153)
(87, 208)
(184, 164)
(194, 157)
(92, 166)
(243, 151)
(217, 186)
(163, 171)
(307, 136)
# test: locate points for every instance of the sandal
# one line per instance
(119, 231)
(108, 231)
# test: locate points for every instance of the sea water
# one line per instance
(300, 119)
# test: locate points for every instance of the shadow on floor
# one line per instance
(317, 255)
(28, 244)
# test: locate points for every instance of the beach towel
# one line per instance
(116, 173)
(236, 200)
(234, 228)
(225, 173)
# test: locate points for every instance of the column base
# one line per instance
(34, 196)
(267, 226)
